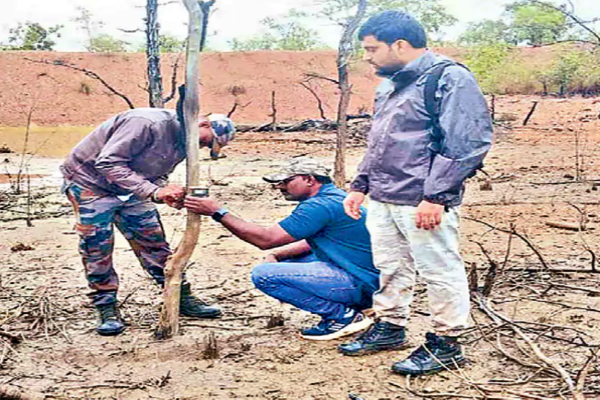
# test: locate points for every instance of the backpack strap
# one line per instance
(431, 105)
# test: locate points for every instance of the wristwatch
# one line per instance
(219, 214)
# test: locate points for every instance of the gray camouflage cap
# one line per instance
(298, 166)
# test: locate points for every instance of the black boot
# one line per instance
(109, 323)
(380, 336)
(191, 306)
(436, 354)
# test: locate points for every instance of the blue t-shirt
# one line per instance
(333, 236)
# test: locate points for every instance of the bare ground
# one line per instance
(55, 353)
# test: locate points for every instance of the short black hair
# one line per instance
(322, 179)
(390, 26)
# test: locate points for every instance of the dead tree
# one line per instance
(168, 324)
(344, 53)
(155, 88)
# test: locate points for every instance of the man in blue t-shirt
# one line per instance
(326, 267)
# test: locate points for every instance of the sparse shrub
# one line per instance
(566, 68)
(4, 149)
(85, 88)
(501, 69)
(236, 90)
(485, 62)
(506, 117)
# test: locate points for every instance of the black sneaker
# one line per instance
(436, 354)
(379, 337)
(109, 323)
(329, 329)
(191, 306)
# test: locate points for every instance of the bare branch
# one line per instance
(173, 80)
(235, 106)
(514, 232)
(570, 15)
(130, 30)
(316, 96)
(313, 75)
(87, 72)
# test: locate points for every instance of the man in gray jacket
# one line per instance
(414, 171)
(112, 178)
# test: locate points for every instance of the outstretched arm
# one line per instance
(259, 236)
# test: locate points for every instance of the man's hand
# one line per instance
(270, 258)
(429, 215)
(172, 195)
(201, 205)
(352, 204)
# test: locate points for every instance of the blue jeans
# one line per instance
(311, 285)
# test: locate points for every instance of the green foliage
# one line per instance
(265, 41)
(32, 36)
(502, 69)
(104, 43)
(286, 33)
(167, 44)
(430, 13)
(534, 24)
(571, 69)
(486, 32)
(170, 44)
(485, 61)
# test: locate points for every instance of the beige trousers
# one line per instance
(400, 251)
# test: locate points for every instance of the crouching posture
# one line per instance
(112, 177)
(430, 132)
(327, 268)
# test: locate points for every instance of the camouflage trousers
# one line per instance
(138, 221)
(401, 251)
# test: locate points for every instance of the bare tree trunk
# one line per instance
(273, 112)
(155, 89)
(168, 324)
(344, 54)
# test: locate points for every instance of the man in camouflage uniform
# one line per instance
(112, 178)
(414, 171)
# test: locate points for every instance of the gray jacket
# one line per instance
(133, 152)
(402, 164)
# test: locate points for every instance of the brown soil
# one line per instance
(63, 96)
(43, 291)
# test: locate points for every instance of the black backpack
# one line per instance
(431, 105)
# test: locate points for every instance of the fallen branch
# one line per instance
(499, 318)
(582, 373)
(565, 225)
(513, 232)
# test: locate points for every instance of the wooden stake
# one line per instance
(531, 111)
(168, 324)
